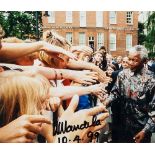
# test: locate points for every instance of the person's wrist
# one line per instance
(106, 102)
(90, 89)
(41, 46)
(92, 67)
(144, 130)
(70, 75)
(2, 137)
(60, 74)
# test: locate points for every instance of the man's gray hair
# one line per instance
(139, 49)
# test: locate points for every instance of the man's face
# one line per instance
(125, 63)
(98, 57)
(134, 61)
(119, 60)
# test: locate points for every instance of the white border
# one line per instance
(76, 5)
(80, 149)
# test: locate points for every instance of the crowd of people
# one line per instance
(52, 91)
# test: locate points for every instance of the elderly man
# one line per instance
(135, 90)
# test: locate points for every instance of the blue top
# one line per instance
(84, 102)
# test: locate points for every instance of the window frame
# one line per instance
(82, 42)
(69, 17)
(99, 19)
(71, 37)
(115, 43)
(110, 17)
(51, 18)
(83, 19)
(128, 47)
(100, 42)
(131, 18)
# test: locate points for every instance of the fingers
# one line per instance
(48, 107)
(70, 55)
(92, 77)
(99, 88)
(102, 116)
(98, 127)
(54, 103)
(87, 83)
(31, 135)
(90, 80)
(102, 98)
(136, 137)
(74, 103)
(35, 128)
(22, 140)
(91, 73)
(39, 119)
(96, 110)
(105, 80)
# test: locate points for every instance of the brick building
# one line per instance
(116, 30)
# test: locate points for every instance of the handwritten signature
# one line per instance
(63, 127)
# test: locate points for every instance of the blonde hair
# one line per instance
(54, 38)
(20, 94)
(55, 60)
(82, 51)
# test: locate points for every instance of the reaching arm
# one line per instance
(83, 77)
(72, 64)
(11, 51)
(69, 91)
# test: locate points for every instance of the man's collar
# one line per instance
(138, 71)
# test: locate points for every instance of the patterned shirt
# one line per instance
(137, 93)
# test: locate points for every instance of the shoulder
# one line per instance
(124, 73)
(150, 77)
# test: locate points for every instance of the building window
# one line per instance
(51, 18)
(82, 38)
(100, 40)
(99, 19)
(112, 42)
(128, 41)
(68, 16)
(69, 37)
(129, 17)
(91, 42)
(82, 18)
(112, 16)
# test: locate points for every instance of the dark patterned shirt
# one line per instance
(137, 93)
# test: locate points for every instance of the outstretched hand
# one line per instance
(85, 77)
(78, 118)
(139, 137)
(53, 104)
(23, 129)
(102, 75)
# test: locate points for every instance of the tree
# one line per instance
(21, 24)
(141, 35)
(150, 38)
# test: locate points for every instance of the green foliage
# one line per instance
(141, 35)
(150, 38)
(21, 24)
(151, 55)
